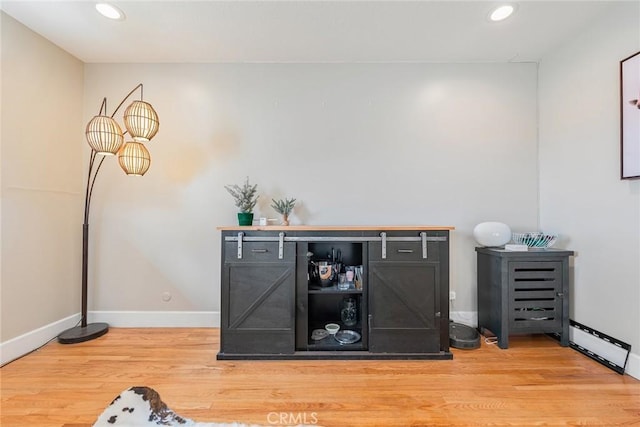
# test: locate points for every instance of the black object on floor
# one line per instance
(463, 336)
(604, 349)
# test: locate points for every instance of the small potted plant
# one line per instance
(284, 208)
(246, 200)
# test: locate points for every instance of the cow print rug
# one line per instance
(142, 406)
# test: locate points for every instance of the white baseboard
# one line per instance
(157, 319)
(26, 343)
(633, 366)
(469, 318)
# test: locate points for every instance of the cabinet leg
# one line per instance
(503, 342)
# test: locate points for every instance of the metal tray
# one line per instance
(347, 337)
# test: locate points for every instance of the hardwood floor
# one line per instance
(534, 382)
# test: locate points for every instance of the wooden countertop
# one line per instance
(337, 227)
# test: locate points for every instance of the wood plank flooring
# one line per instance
(534, 382)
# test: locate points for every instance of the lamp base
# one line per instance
(81, 334)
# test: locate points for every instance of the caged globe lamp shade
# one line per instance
(106, 138)
(134, 158)
(141, 121)
(492, 234)
(104, 135)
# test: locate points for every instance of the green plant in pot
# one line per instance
(245, 199)
(284, 208)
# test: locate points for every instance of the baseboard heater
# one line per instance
(600, 347)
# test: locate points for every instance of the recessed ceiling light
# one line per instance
(501, 13)
(110, 11)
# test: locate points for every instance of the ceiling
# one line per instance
(306, 30)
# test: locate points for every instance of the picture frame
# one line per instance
(630, 117)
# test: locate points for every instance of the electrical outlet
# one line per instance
(452, 295)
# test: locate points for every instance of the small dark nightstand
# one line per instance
(523, 292)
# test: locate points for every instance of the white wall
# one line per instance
(440, 144)
(581, 193)
(41, 218)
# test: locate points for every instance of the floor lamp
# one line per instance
(106, 138)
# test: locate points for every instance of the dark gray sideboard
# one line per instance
(270, 305)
